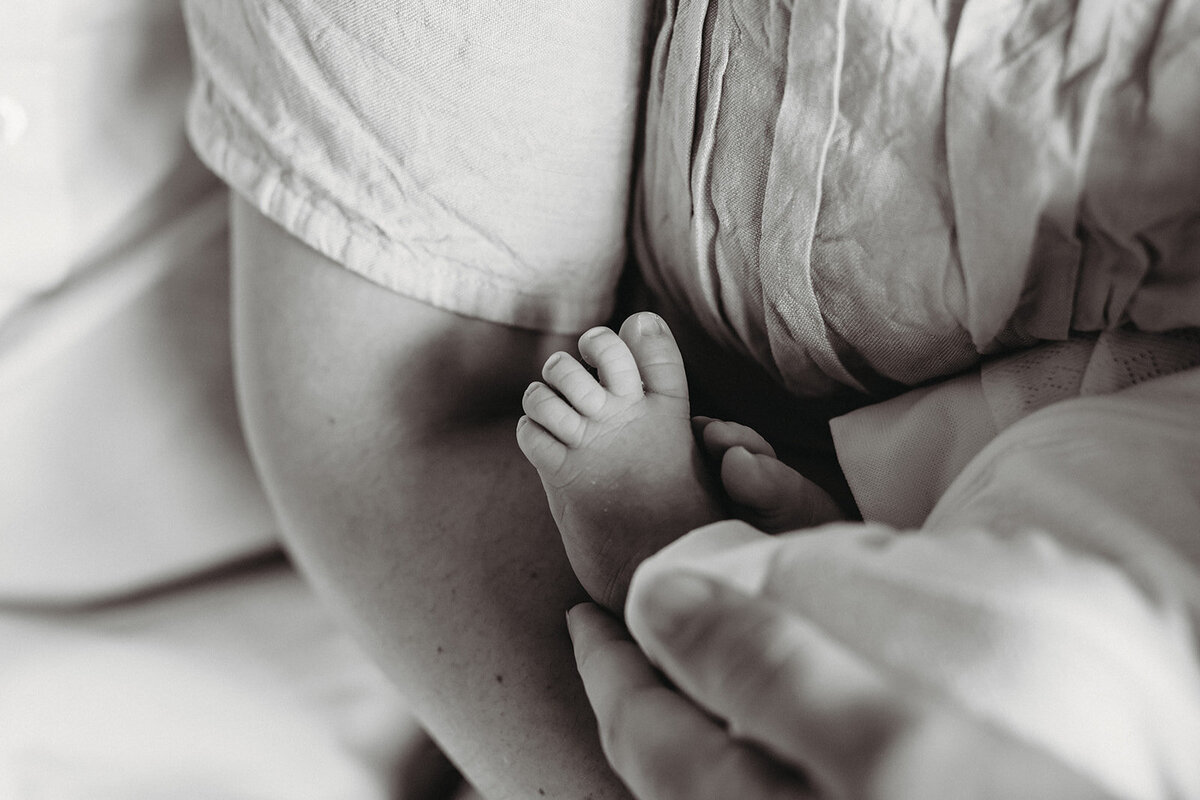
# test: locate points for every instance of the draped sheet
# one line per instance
(1053, 592)
(874, 195)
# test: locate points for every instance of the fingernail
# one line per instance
(754, 461)
(649, 323)
(742, 459)
(672, 598)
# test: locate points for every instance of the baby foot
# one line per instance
(762, 490)
(616, 453)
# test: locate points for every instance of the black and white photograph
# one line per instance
(599, 400)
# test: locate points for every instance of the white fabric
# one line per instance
(474, 157)
(853, 196)
(121, 462)
(100, 158)
(901, 455)
(1054, 590)
(872, 195)
(231, 689)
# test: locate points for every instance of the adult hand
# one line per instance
(769, 706)
(661, 743)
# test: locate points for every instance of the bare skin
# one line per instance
(761, 489)
(616, 454)
(382, 430)
(627, 470)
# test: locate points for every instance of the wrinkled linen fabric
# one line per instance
(1048, 594)
(902, 454)
(477, 158)
(873, 195)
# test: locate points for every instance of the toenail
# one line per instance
(650, 323)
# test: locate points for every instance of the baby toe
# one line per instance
(615, 366)
(545, 452)
(553, 413)
(719, 436)
(577, 386)
(658, 359)
(773, 496)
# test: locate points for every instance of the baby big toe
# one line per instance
(614, 364)
(658, 358)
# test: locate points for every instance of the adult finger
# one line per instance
(659, 742)
(777, 680)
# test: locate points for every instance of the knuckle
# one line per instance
(581, 385)
(608, 349)
(627, 372)
(545, 399)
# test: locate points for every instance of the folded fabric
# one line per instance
(899, 456)
(872, 196)
(1054, 591)
(474, 157)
